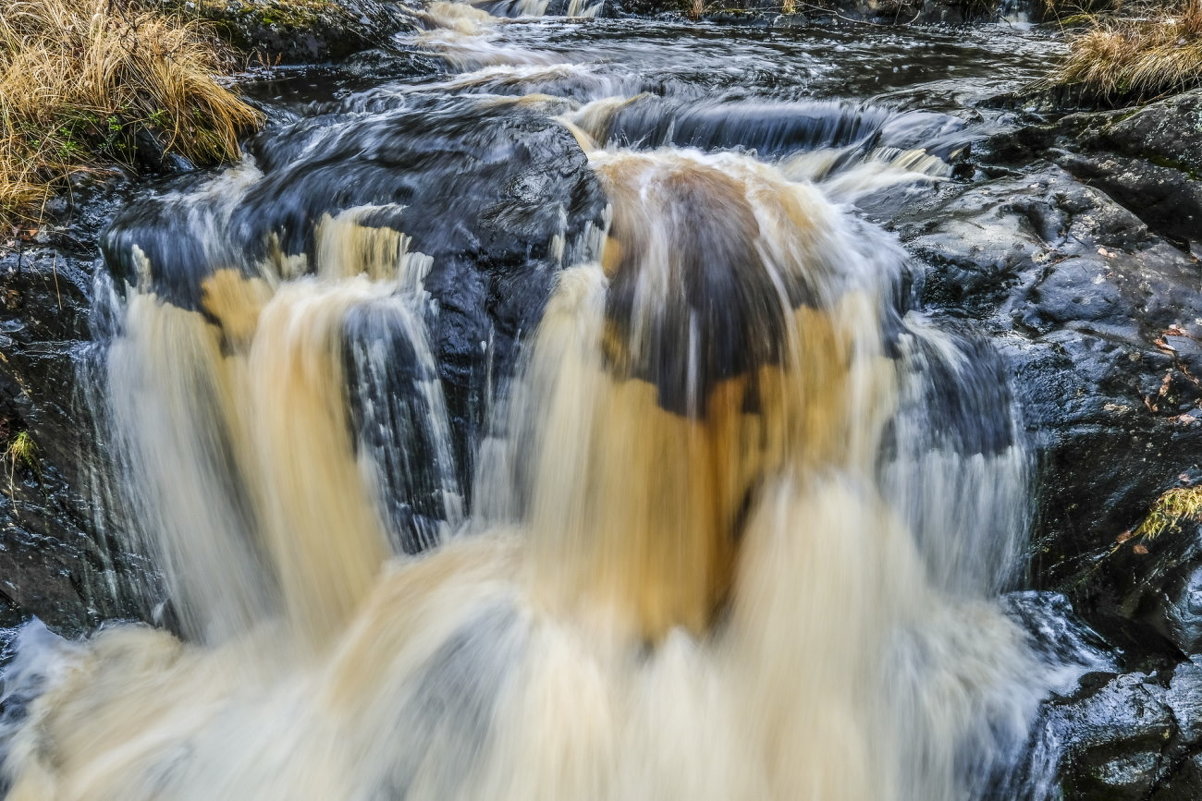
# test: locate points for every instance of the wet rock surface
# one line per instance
(1169, 199)
(1098, 319)
(55, 561)
(1079, 258)
(301, 31)
(1113, 737)
(1128, 736)
(1147, 159)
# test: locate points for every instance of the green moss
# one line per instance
(293, 14)
(1173, 164)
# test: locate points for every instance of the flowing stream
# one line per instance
(711, 511)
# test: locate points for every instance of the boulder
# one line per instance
(1167, 198)
(1151, 162)
(1099, 320)
(1109, 739)
(1148, 159)
(494, 192)
(1167, 132)
(1129, 736)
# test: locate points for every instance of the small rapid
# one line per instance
(533, 430)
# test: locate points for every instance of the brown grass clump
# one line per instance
(20, 452)
(81, 80)
(1152, 50)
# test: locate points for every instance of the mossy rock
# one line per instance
(301, 31)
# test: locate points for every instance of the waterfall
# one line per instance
(736, 529)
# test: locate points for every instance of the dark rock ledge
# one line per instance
(301, 31)
(1079, 257)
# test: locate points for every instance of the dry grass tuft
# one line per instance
(20, 452)
(81, 80)
(1170, 511)
(1151, 51)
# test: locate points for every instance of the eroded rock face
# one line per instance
(56, 561)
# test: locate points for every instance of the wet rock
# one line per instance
(1110, 739)
(1185, 782)
(494, 192)
(52, 565)
(1079, 295)
(1149, 160)
(1148, 591)
(1167, 198)
(1182, 607)
(54, 562)
(1056, 635)
(1168, 132)
(1129, 736)
(301, 31)
(1185, 700)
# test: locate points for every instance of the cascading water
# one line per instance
(737, 523)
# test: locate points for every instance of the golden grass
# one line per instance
(20, 451)
(81, 79)
(1152, 50)
(1169, 511)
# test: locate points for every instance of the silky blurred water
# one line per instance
(737, 524)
